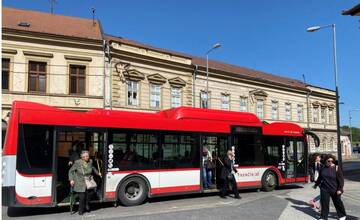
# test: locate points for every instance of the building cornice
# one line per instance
(50, 39)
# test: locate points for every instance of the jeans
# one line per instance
(207, 175)
(325, 202)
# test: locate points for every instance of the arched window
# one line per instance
(324, 144)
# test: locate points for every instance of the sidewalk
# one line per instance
(299, 209)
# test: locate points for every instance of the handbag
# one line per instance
(209, 165)
(89, 180)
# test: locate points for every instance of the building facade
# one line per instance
(75, 69)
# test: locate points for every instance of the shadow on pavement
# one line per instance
(353, 175)
(21, 212)
(305, 208)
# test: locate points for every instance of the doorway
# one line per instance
(296, 161)
(217, 145)
(69, 144)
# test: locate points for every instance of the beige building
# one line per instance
(68, 68)
(44, 62)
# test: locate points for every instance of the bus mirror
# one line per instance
(314, 137)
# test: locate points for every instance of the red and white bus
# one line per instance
(143, 155)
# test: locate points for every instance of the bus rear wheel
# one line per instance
(133, 191)
(269, 181)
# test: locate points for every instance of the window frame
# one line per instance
(154, 95)
(174, 104)
(288, 116)
(301, 108)
(258, 108)
(223, 102)
(274, 115)
(7, 70)
(37, 73)
(78, 76)
(132, 91)
(202, 93)
(245, 106)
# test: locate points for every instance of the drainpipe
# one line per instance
(104, 73)
(193, 85)
(111, 76)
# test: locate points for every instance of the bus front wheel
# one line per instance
(133, 191)
(269, 181)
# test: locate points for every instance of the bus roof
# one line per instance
(177, 119)
(282, 129)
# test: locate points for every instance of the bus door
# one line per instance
(290, 162)
(70, 142)
(217, 146)
(295, 160)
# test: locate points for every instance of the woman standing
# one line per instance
(331, 182)
(314, 169)
(227, 175)
(208, 165)
(80, 177)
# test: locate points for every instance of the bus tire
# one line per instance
(133, 191)
(269, 181)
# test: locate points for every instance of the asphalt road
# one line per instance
(288, 202)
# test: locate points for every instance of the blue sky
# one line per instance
(259, 34)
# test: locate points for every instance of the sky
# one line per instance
(264, 35)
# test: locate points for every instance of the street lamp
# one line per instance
(313, 29)
(351, 137)
(215, 46)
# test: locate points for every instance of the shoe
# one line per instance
(223, 197)
(81, 213)
(342, 218)
(237, 197)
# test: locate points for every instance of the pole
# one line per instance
(351, 138)
(337, 99)
(207, 80)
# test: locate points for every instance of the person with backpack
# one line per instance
(331, 183)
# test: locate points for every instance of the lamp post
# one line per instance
(333, 26)
(215, 46)
(351, 137)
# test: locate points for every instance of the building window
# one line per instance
(323, 115)
(175, 97)
(5, 73)
(37, 76)
(316, 114)
(225, 102)
(155, 96)
(204, 103)
(288, 111)
(300, 113)
(331, 116)
(243, 104)
(260, 108)
(133, 90)
(274, 110)
(77, 79)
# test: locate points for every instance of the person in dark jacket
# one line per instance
(331, 182)
(227, 175)
(77, 173)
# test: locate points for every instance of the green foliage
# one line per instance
(355, 132)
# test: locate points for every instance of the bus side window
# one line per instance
(180, 151)
(35, 149)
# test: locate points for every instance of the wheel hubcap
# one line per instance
(270, 179)
(133, 190)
